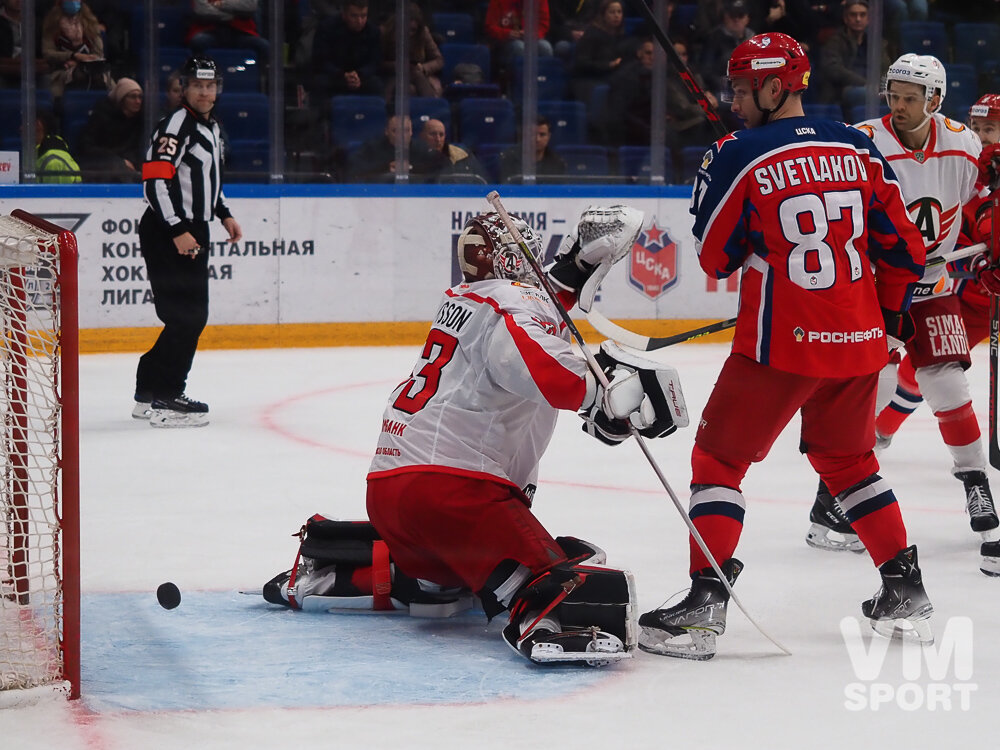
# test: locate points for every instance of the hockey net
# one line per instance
(39, 459)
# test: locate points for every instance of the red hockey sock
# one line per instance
(882, 532)
(958, 426)
(721, 535)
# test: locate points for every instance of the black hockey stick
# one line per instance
(494, 200)
(994, 332)
(697, 93)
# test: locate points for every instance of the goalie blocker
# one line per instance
(579, 611)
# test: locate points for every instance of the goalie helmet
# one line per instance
(486, 250)
(200, 68)
(923, 70)
(988, 107)
(766, 55)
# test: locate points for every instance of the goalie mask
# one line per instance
(486, 250)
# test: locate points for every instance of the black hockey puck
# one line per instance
(168, 595)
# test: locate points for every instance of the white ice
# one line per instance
(291, 434)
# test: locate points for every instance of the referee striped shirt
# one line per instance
(182, 174)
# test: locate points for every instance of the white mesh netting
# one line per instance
(30, 574)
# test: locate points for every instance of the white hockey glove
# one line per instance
(603, 236)
(641, 392)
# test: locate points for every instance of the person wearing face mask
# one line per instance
(73, 48)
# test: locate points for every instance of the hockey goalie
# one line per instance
(451, 484)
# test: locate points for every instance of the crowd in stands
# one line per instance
(594, 90)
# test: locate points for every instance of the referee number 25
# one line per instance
(805, 222)
(417, 391)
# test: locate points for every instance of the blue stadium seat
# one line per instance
(597, 111)
(586, 161)
(171, 27)
(454, 27)
(691, 158)
(962, 91)
(10, 110)
(455, 53)
(245, 117)
(424, 108)
(169, 59)
(683, 17)
(567, 121)
(489, 156)
(634, 162)
(486, 121)
(828, 111)
(239, 69)
(249, 161)
(977, 44)
(551, 78)
(76, 108)
(925, 38)
(356, 118)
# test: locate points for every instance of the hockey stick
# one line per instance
(635, 340)
(682, 70)
(494, 200)
(994, 331)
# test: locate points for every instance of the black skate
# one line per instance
(180, 411)
(991, 558)
(979, 502)
(688, 629)
(830, 528)
(545, 641)
(901, 608)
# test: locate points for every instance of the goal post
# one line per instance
(39, 487)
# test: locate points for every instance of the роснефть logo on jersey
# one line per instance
(652, 268)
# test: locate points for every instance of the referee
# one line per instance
(182, 183)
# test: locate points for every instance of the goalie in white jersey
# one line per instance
(936, 162)
(451, 483)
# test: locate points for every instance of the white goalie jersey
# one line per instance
(444, 417)
(937, 181)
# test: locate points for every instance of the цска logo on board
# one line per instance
(652, 266)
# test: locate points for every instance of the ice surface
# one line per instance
(292, 431)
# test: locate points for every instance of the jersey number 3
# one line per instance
(805, 222)
(417, 391)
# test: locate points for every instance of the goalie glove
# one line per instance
(603, 236)
(641, 393)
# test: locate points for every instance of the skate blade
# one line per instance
(550, 653)
(698, 645)
(990, 535)
(990, 566)
(141, 411)
(820, 537)
(903, 629)
(164, 419)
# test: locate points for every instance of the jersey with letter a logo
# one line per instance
(805, 207)
(937, 180)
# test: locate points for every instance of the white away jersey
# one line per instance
(937, 181)
(482, 398)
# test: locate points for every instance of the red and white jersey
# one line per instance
(482, 399)
(814, 217)
(937, 182)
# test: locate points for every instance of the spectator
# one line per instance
(793, 17)
(375, 161)
(426, 60)
(173, 92)
(72, 45)
(113, 142)
(601, 49)
(505, 28)
(844, 58)
(455, 159)
(54, 163)
(347, 51)
(720, 43)
(569, 19)
(227, 24)
(547, 162)
(10, 43)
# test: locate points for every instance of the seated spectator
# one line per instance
(505, 28)
(226, 24)
(53, 163)
(547, 162)
(426, 60)
(375, 161)
(456, 160)
(72, 45)
(569, 19)
(113, 142)
(347, 51)
(793, 17)
(844, 59)
(719, 45)
(601, 49)
(173, 92)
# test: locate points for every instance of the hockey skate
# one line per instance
(901, 608)
(991, 558)
(545, 642)
(830, 529)
(979, 503)
(178, 412)
(142, 410)
(688, 630)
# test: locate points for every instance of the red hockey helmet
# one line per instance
(988, 107)
(766, 55)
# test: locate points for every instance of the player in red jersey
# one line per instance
(807, 208)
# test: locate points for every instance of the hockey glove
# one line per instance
(899, 327)
(989, 166)
(987, 272)
(602, 237)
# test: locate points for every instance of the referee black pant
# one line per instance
(180, 295)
